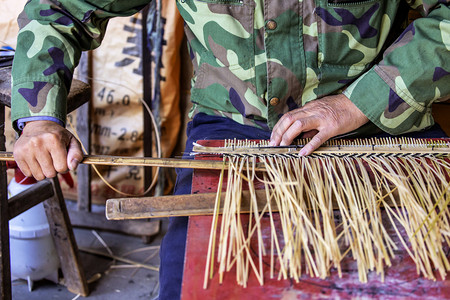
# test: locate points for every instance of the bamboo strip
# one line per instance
(144, 161)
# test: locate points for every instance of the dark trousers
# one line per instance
(204, 127)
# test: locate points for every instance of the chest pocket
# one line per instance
(350, 33)
(224, 28)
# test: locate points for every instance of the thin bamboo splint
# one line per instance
(108, 160)
(361, 181)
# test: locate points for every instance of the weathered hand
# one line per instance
(320, 119)
(45, 149)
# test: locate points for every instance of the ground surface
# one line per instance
(110, 279)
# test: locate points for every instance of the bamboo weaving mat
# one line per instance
(400, 280)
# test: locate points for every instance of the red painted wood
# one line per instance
(401, 279)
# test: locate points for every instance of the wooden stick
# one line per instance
(145, 161)
(170, 206)
(118, 258)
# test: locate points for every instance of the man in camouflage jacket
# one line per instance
(317, 67)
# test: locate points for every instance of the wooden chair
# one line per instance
(47, 191)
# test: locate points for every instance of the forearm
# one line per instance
(397, 94)
(51, 38)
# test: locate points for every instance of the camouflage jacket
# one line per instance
(257, 59)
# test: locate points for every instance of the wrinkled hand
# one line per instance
(320, 119)
(45, 149)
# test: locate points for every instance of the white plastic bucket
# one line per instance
(32, 250)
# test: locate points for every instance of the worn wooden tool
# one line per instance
(172, 206)
(142, 161)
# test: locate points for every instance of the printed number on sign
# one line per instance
(109, 97)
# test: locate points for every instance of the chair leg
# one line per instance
(5, 263)
(61, 230)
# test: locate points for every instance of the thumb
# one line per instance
(74, 154)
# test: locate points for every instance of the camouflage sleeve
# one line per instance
(49, 44)
(397, 94)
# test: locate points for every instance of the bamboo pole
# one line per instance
(101, 160)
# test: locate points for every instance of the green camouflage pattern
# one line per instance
(254, 60)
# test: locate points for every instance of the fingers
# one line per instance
(27, 160)
(280, 127)
(320, 119)
(308, 134)
(303, 125)
(43, 166)
(312, 127)
(23, 166)
(315, 143)
(58, 155)
(74, 154)
(309, 126)
(290, 126)
(34, 165)
(41, 150)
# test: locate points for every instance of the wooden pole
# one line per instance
(173, 206)
(144, 161)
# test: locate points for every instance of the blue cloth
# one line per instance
(204, 127)
(21, 122)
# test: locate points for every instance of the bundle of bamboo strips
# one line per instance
(330, 206)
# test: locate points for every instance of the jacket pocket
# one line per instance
(221, 30)
(350, 32)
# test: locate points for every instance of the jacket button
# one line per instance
(274, 101)
(271, 25)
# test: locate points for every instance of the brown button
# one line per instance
(274, 101)
(271, 24)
